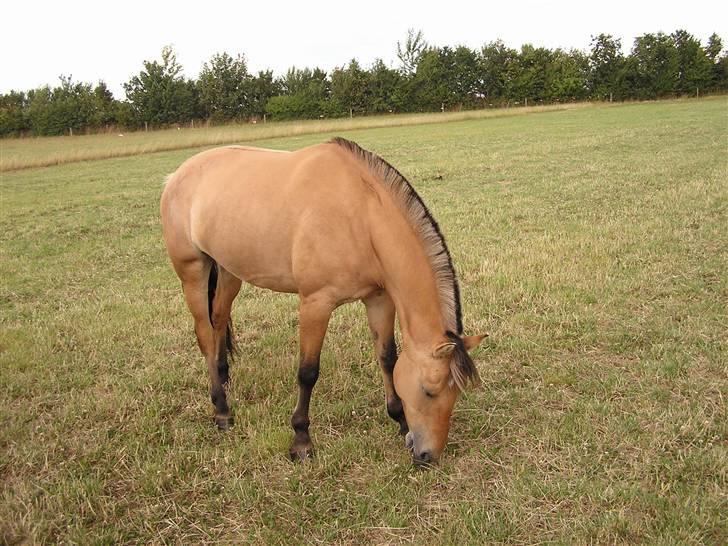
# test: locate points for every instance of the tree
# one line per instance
(259, 90)
(385, 89)
(605, 63)
(306, 95)
(410, 53)
(694, 66)
(431, 83)
(497, 69)
(69, 107)
(657, 65)
(160, 95)
(567, 76)
(350, 88)
(104, 106)
(714, 47)
(13, 114)
(223, 85)
(718, 79)
(721, 73)
(530, 81)
(465, 70)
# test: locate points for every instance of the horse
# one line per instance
(333, 223)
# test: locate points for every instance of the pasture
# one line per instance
(591, 244)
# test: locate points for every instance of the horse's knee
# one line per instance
(395, 409)
(388, 356)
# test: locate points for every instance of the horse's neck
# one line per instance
(410, 281)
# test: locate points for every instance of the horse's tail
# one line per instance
(211, 287)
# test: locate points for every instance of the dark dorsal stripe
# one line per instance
(424, 225)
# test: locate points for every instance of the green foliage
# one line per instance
(14, 118)
(159, 95)
(429, 79)
(350, 89)
(385, 89)
(694, 65)
(410, 53)
(567, 76)
(70, 107)
(261, 88)
(530, 81)
(657, 65)
(288, 107)
(605, 62)
(224, 85)
(305, 94)
(498, 66)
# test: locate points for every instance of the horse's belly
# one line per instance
(261, 261)
(278, 281)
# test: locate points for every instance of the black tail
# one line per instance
(211, 287)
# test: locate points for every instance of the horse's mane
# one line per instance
(425, 226)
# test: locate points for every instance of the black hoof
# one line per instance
(301, 452)
(224, 423)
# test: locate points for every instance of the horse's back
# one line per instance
(270, 217)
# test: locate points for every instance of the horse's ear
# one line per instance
(471, 342)
(444, 350)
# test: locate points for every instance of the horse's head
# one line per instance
(428, 382)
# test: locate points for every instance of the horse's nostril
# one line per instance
(424, 458)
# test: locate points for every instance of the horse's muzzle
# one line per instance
(419, 458)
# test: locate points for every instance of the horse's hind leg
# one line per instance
(226, 290)
(380, 313)
(195, 276)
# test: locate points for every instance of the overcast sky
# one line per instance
(108, 41)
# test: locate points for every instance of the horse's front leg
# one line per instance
(381, 313)
(314, 317)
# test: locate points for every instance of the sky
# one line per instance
(92, 41)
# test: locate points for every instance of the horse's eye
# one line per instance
(428, 393)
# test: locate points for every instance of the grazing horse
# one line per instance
(333, 223)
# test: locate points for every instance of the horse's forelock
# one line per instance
(462, 367)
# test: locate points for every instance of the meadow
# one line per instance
(27, 153)
(590, 243)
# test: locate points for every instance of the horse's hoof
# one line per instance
(301, 453)
(224, 423)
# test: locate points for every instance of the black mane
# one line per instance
(425, 226)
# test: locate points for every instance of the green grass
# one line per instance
(25, 153)
(591, 244)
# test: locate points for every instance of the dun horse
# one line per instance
(333, 223)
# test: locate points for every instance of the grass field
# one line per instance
(591, 244)
(16, 154)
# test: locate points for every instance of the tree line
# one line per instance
(428, 79)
